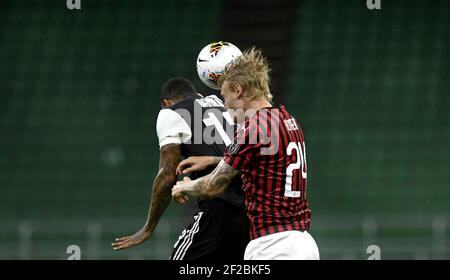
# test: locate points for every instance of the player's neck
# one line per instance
(257, 104)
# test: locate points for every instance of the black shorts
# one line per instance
(219, 231)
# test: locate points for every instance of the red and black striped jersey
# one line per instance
(269, 151)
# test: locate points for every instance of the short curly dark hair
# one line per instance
(177, 87)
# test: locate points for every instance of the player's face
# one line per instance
(233, 101)
(230, 97)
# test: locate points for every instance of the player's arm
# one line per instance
(208, 186)
(172, 131)
(168, 162)
(160, 199)
(197, 163)
(237, 156)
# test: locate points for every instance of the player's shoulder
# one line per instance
(210, 101)
(198, 100)
(186, 103)
(275, 112)
(264, 115)
(286, 115)
(268, 117)
(178, 112)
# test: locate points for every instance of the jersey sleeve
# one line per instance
(244, 147)
(172, 128)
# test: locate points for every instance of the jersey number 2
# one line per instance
(300, 164)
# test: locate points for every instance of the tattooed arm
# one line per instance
(208, 186)
(168, 161)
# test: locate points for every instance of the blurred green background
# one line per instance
(79, 96)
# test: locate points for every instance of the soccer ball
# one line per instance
(212, 60)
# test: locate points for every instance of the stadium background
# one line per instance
(79, 99)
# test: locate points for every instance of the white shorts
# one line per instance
(286, 245)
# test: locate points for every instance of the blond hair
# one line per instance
(251, 72)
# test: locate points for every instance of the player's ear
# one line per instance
(166, 102)
(238, 90)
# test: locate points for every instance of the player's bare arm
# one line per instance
(160, 199)
(197, 163)
(208, 186)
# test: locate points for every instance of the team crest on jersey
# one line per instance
(291, 125)
(233, 148)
